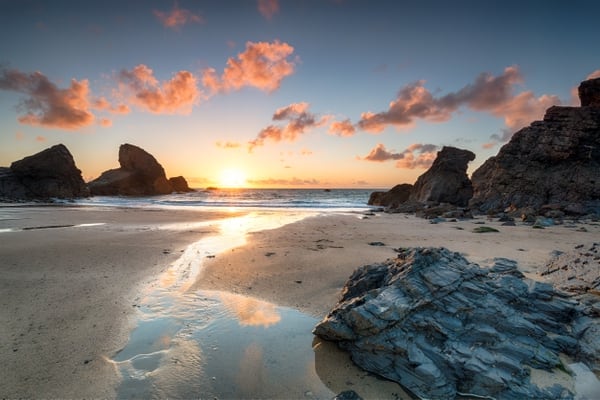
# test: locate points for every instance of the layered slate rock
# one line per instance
(554, 162)
(440, 326)
(446, 181)
(139, 175)
(392, 198)
(51, 173)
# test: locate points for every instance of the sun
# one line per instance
(232, 178)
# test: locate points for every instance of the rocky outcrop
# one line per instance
(139, 175)
(442, 326)
(51, 173)
(392, 198)
(554, 163)
(446, 181)
(180, 185)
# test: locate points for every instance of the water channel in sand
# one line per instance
(192, 344)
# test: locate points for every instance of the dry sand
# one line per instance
(68, 294)
(304, 265)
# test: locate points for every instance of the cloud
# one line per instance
(342, 128)
(102, 104)
(46, 104)
(593, 75)
(228, 145)
(299, 120)
(284, 182)
(488, 93)
(176, 95)
(417, 155)
(40, 139)
(177, 17)
(262, 65)
(268, 8)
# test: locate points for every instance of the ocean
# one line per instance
(336, 200)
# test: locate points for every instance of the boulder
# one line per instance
(441, 326)
(51, 173)
(179, 184)
(392, 198)
(555, 162)
(139, 175)
(446, 181)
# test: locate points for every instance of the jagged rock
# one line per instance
(589, 93)
(51, 173)
(179, 184)
(551, 162)
(440, 325)
(446, 181)
(392, 198)
(139, 175)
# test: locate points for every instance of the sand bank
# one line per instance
(69, 282)
(304, 265)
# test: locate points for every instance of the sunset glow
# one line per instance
(303, 94)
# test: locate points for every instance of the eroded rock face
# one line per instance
(179, 184)
(440, 325)
(446, 181)
(139, 175)
(51, 173)
(554, 162)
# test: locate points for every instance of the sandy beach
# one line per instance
(69, 291)
(72, 277)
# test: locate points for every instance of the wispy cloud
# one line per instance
(488, 93)
(228, 145)
(101, 103)
(342, 128)
(417, 155)
(46, 104)
(262, 65)
(268, 8)
(299, 120)
(284, 182)
(177, 17)
(176, 95)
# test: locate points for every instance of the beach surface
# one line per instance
(72, 279)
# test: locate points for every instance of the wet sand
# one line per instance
(68, 292)
(304, 265)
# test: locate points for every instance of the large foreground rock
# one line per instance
(139, 175)
(440, 325)
(554, 162)
(51, 173)
(392, 198)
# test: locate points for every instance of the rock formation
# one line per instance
(554, 163)
(442, 326)
(51, 173)
(139, 175)
(179, 184)
(446, 181)
(393, 198)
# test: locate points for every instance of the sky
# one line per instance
(278, 93)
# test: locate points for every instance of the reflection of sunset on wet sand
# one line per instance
(250, 311)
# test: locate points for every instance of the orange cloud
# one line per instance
(262, 65)
(268, 8)
(47, 105)
(593, 75)
(102, 104)
(417, 155)
(40, 138)
(284, 182)
(177, 17)
(299, 120)
(342, 128)
(176, 95)
(488, 93)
